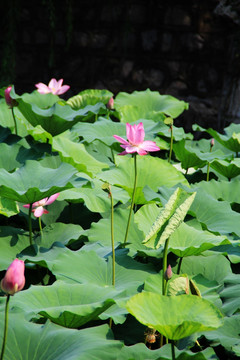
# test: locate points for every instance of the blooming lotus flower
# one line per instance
(14, 279)
(136, 143)
(9, 101)
(38, 206)
(55, 87)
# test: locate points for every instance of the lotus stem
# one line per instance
(30, 223)
(171, 144)
(179, 265)
(164, 281)
(40, 226)
(208, 167)
(173, 350)
(112, 240)
(15, 122)
(5, 327)
(133, 197)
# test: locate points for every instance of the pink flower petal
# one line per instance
(38, 211)
(149, 146)
(62, 90)
(26, 206)
(42, 88)
(139, 134)
(53, 83)
(51, 199)
(121, 140)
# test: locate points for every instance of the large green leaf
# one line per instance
(74, 153)
(89, 97)
(221, 189)
(8, 207)
(141, 352)
(69, 305)
(13, 241)
(94, 197)
(147, 105)
(104, 130)
(175, 317)
(169, 218)
(227, 169)
(152, 171)
(214, 267)
(30, 341)
(63, 233)
(188, 241)
(53, 115)
(34, 182)
(230, 294)
(227, 335)
(231, 138)
(101, 231)
(6, 119)
(190, 157)
(73, 267)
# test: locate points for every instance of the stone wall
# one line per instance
(183, 48)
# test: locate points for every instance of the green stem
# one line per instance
(15, 122)
(30, 223)
(179, 265)
(40, 226)
(112, 240)
(173, 350)
(186, 171)
(164, 281)
(171, 144)
(236, 153)
(5, 327)
(208, 167)
(113, 157)
(133, 197)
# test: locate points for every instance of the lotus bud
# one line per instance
(168, 273)
(14, 279)
(110, 104)
(9, 101)
(212, 142)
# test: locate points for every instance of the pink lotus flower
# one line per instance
(14, 279)
(9, 101)
(136, 143)
(38, 206)
(55, 87)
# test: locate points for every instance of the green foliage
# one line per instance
(69, 308)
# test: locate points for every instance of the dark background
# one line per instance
(189, 49)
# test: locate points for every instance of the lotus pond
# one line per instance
(131, 256)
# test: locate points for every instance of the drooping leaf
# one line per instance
(230, 139)
(227, 169)
(69, 305)
(33, 182)
(51, 341)
(50, 113)
(162, 313)
(74, 153)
